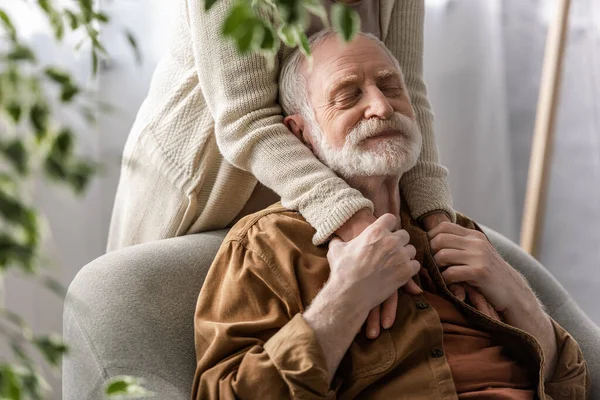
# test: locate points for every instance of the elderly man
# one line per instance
(280, 318)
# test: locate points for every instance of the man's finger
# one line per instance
(458, 273)
(373, 322)
(448, 227)
(448, 241)
(412, 288)
(458, 291)
(403, 235)
(335, 241)
(447, 257)
(388, 311)
(480, 303)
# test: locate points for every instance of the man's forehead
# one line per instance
(334, 60)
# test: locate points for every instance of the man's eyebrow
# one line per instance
(388, 73)
(342, 82)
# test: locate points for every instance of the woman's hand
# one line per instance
(385, 314)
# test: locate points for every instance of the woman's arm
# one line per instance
(424, 187)
(241, 94)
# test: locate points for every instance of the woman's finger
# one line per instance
(388, 311)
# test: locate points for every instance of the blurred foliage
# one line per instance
(34, 143)
(262, 25)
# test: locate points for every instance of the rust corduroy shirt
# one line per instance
(252, 342)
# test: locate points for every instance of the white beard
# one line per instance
(393, 156)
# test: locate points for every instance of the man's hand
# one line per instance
(364, 272)
(461, 291)
(376, 263)
(471, 258)
(383, 315)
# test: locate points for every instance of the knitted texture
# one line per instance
(211, 125)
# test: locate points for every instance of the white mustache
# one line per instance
(371, 127)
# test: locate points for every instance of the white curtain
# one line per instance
(465, 75)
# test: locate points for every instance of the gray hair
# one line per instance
(293, 88)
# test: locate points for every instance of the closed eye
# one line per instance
(348, 98)
(391, 90)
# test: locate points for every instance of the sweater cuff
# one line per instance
(329, 205)
(426, 195)
(296, 353)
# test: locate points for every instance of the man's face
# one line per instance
(364, 120)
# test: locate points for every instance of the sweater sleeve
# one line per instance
(253, 343)
(241, 94)
(424, 187)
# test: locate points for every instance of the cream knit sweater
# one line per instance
(211, 123)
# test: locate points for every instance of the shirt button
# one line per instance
(422, 305)
(436, 353)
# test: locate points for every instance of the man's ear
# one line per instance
(295, 123)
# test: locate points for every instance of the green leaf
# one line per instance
(87, 10)
(126, 386)
(290, 11)
(58, 75)
(208, 4)
(45, 5)
(134, 45)
(102, 17)
(13, 210)
(346, 21)
(12, 32)
(10, 385)
(39, 116)
(316, 7)
(80, 176)
(239, 15)
(56, 169)
(21, 53)
(14, 252)
(52, 347)
(94, 63)
(58, 26)
(304, 45)
(245, 36)
(15, 152)
(287, 33)
(68, 92)
(94, 35)
(14, 110)
(62, 145)
(269, 42)
(73, 19)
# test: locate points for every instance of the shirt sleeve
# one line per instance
(425, 186)
(571, 379)
(251, 339)
(241, 92)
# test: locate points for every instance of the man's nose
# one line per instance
(378, 105)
